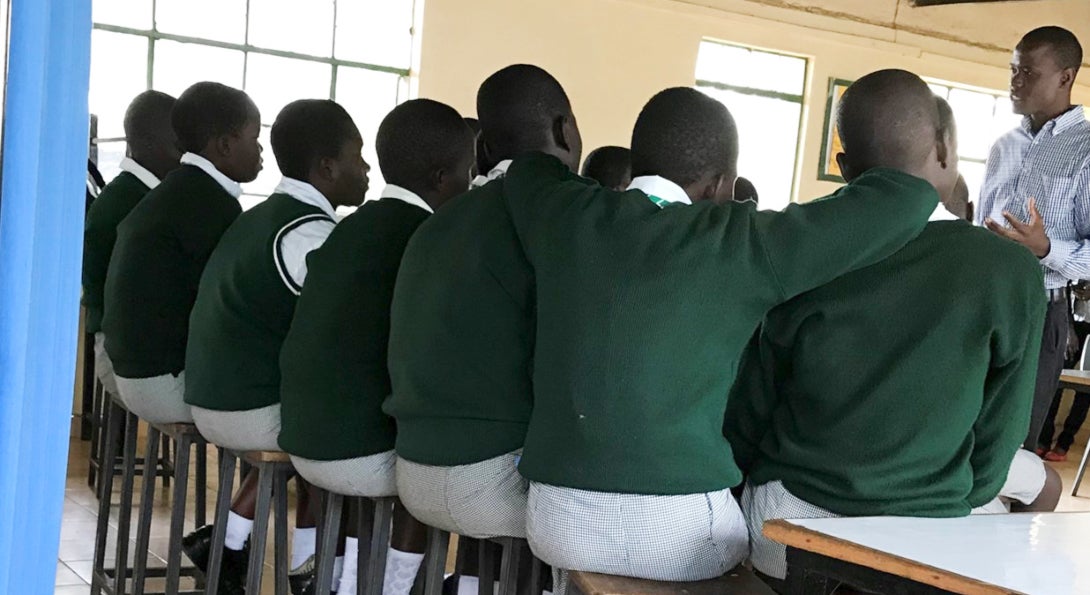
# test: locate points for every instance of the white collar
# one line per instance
(941, 213)
(306, 194)
(661, 188)
(407, 196)
(146, 177)
(232, 187)
(497, 172)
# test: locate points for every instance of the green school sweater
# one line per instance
(116, 201)
(243, 311)
(461, 335)
(162, 248)
(643, 314)
(333, 363)
(900, 389)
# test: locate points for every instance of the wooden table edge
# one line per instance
(784, 532)
(1080, 379)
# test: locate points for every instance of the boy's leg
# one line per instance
(1031, 485)
(408, 540)
(1047, 499)
(350, 573)
(1075, 418)
(1044, 441)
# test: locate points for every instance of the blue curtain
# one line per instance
(41, 229)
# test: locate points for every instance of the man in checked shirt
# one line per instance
(1037, 188)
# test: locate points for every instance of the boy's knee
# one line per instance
(1049, 497)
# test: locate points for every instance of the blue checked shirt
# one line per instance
(1054, 168)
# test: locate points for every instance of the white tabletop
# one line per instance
(1046, 554)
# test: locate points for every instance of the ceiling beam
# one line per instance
(946, 2)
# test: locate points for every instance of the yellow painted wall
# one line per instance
(613, 55)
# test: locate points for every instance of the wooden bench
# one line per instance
(736, 582)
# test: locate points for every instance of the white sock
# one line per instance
(401, 568)
(467, 585)
(238, 531)
(338, 570)
(349, 573)
(303, 541)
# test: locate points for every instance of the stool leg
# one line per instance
(367, 511)
(435, 560)
(219, 529)
(177, 512)
(147, 506)
(261, 528)
(281, 476)
(1082, 471)
(124, 513)
(509, 566)
(164, 463)
(332, 508)
(536, 575)
(380, 545)
(486, 568)
(201, 505)
(108, 457)
(97, 417)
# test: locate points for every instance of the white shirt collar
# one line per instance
(497, 172)
(305, 193)
(232, 187)
(405, 195)
(942, 214)
(660, 188)
(146, 177)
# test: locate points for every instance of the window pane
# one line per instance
(375, 32)
(270, 174)
(293, 26)
(179, 65)
(119, 72)
(274, 82)
(940, 90)
(368, 96)
(974, 177)
(768, 134)
(221, 20)
(109, 159)
(973, 113)
(124, 13)
(755, 69)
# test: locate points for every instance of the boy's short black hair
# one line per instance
(308, 130)
(419, 137)
(609, 165)
(1065, 46)
(517, 106)
(147, 117)
(209, 110)
(682, 134)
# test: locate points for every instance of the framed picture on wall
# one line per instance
(828, 170)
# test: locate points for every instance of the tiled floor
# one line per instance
(81, 511)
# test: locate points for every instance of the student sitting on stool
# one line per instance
(333, 365)
(164, 243)
(152, 154)
(461, 331)
(903, 388)
(644, 307)
(247, 299)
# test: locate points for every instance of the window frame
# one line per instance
(153, 36)
(800, 99)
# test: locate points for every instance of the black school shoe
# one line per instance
(198, 546)
(302, 580)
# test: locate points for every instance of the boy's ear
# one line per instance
(560, 136)
(437, 178)
(846, 170)
(223, 144)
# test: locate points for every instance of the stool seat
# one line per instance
(175, 430)
(255, 457)
(738, 581)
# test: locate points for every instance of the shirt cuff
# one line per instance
(1059, 253)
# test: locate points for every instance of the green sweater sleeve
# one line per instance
(865, 222)
(752, 400)
(1008, 388)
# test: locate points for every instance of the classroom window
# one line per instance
(764, 92)
(981, 117)
(357, 52)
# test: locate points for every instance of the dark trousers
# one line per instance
(1049, 366)
(1079, 407)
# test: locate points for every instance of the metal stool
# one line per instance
(274, 470)
(100, 419)
(113, 580)
(371, 560)
(512, 549)
(184, 435)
